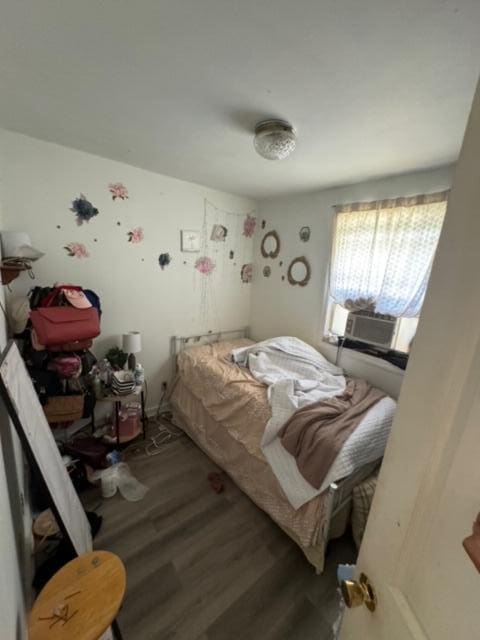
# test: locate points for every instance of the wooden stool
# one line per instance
(81, 600)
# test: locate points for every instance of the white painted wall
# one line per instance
(279, 308)
(40, 181)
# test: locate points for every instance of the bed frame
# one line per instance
(180, 343)
(339, 494)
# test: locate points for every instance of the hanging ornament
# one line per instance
(246, 273)
(219, 233)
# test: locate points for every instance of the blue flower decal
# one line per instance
(83, 209)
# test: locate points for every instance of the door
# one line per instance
(429, 487)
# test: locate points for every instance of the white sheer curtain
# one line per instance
(383, 252)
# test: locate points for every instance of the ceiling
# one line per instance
(373, 87)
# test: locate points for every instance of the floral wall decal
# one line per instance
(247, 272)
(304, 234)
(205, 265)
(118, 190)
(76, 250)
(164, 260)
(83, 209)
(249, 226)
(135, 235)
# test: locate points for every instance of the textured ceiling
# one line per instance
(373, 87)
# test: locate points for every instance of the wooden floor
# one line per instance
(202, 566)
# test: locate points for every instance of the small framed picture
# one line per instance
(190, 241)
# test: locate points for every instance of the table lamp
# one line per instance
(132, 344)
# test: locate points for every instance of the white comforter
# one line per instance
(298, 375)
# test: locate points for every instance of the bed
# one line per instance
(224, 410)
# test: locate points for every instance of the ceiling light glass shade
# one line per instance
(274, 139)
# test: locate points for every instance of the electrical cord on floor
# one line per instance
(340, 343)
(158, 414)
(145, 395)
(167, 433)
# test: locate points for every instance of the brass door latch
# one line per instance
(357, 593)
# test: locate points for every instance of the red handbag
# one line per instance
(58, 325)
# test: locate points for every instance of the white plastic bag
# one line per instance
(119, 476)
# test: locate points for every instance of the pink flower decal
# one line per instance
(249, 226)
(247, 272)
(118, 190)
(76, 250)
(135, 235)
(205, 265)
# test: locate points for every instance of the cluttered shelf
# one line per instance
(127, 425)
(55, 328)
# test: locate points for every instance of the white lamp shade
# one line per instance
(132, 342)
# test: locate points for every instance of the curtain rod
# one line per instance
(409, 201)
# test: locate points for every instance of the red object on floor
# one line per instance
(216, 482)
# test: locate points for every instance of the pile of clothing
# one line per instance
(58, 325)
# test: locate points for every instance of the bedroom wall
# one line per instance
(279, 308)
(40, 182)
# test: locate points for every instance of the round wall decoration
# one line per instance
(299, 271)
(270, 247)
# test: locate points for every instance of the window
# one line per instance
(381, 259)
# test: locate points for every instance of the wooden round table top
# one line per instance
(81, 600)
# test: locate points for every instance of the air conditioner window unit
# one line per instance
(371, 329)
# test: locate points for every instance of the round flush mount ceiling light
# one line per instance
(274, 139)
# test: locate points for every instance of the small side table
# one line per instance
(81, 600)
(118, 400)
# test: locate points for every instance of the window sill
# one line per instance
(380, 373)
(329, 350)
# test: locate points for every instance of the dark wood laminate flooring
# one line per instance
(202, 566)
